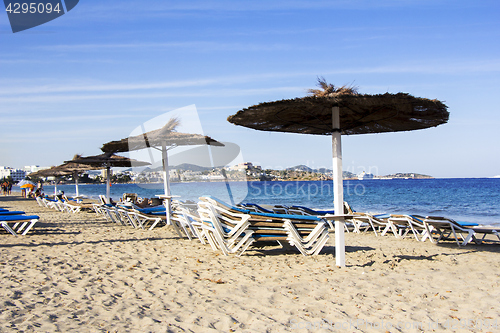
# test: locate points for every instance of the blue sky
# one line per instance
(99, 71)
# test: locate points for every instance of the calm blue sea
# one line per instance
(471, 199)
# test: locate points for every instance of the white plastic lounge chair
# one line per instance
(112, 214)
(146, 221)
(442, 228)
(48, 203)
(230, 231)
(21, 223)
(310, 245)
(188, 221)
(40, 201)
(270, 227)
(363, 222)
(409, 223)
(127, 217)
(103, 199)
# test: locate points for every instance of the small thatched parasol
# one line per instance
(166, 135)
(68, 168)
(167, 138)
(107, 161)
(335, 111)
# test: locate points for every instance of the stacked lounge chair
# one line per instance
(307, 233)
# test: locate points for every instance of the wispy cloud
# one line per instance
(201, 46)
(65, 119)
(170, 7)
(47, 98)
(43, 91)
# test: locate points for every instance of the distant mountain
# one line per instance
(305, 168)
(348, 174)
(301, 167)
(190, 167)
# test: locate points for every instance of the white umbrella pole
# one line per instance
(108, 183)
(166, 180)
(338, 188)
(75, 175)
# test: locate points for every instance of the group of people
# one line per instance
(30, 192)
(6, 188)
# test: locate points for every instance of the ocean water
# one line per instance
(470, 199)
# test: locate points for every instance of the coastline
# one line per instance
(76, 272)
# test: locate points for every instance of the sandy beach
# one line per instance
(77, 272)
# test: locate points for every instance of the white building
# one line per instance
(16, 174)
(33, 168)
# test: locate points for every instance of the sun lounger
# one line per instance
(313, 243)
(21, 223)
(127, 218)
(271, 227)
(409, 223)
(301, 210)
(14, 212)
(188, 221)
(73, 206)
(229, 231)
(40, 201)
(255, 208)
(51, 203)
(147, 221)
(363, 222)
(442, 228)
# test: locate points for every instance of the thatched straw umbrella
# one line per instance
(107, 161)
(167, 138)
(68, 168)
(335, 111)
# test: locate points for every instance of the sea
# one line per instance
(462, 199)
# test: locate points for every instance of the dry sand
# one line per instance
(75, 272)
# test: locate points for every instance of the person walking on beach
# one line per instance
(4, 188)
(9, 189)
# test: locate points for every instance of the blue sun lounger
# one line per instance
(15, 212)
(22, 223)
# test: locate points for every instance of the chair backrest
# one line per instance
(132, 197)
(103, 199)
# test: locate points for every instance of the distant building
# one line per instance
(243, 166)
(16, 174)
(104, 173)
(365, 175)
(33, 168)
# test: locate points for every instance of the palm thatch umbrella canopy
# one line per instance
(359, 113)
(166, 135)
(335, 111)
(68, 168)
(107, 161)
(167, 138)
